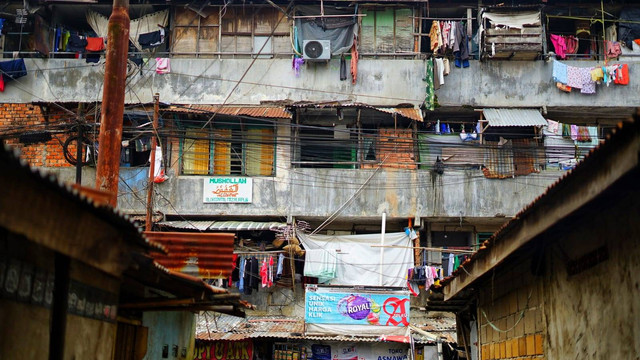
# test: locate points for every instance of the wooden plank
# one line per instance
(384, 31)
(367, 32)
(404, 29)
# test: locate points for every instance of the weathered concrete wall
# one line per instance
(380, 82)
(528, 84)
(319, 192)
(26, 326)
(171, 328)
(209, 81)
(595, 314)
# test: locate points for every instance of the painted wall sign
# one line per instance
(223, 350)
(227, 190)
(328, 307)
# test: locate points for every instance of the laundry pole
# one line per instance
(384, 225)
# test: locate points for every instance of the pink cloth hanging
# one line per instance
(560, 45)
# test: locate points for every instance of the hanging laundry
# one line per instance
(56, 39)
(622, 75)
(553, 127)
(559, 72)
(95, 44)
(439, 72)
(613, 49)
(435, 36)
(597, 74)
(583, 134)
(343, 68)
(452, 35)
(12, 69)
(320, 263)
(264, 273)
(241, 275)
(163, 65)
(429, 100)
(76, 43)
(235, 273)
(446, 66)
(574, 132)
(588, 85)
(280, 266)
(270, 273)
(296, 64)
(151, 39)
(571, 44)
(354, 61)
(563, 87)
(445, 29)
(461, 48)
(64, 41)
(450, 264)
(559, 45)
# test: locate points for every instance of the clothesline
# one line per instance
(440, 19)
(442, 250)
(259, 252)
(592, 19)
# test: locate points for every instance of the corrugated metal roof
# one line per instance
(189, 224)
(214, 327)
(514, 117)
(224, 225)
(246, 225)
(272, 112)
(205, 255)
(409, 113)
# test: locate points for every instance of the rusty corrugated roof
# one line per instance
(205, 255)
(214, 327)
(271, 112)
(411, 113)
(203, 225)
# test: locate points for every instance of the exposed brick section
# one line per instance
(396, 148)
(16, 118)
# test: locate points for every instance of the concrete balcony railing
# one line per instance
(319, 192)
(381, 81)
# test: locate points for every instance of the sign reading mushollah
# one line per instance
(227, 190)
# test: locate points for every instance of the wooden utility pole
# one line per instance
(152, 166)
(109, 144)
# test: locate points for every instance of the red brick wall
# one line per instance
(17, 118)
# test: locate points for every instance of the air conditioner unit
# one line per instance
(315, 50)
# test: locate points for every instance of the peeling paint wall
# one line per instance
(175, 329)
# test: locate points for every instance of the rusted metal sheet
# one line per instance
(409, 113)
(206, 255)
(273, 112)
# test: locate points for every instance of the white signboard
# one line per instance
(227, 190)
